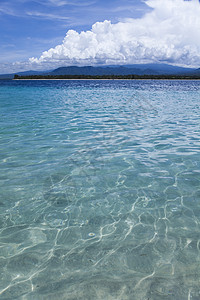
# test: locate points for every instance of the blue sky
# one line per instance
(30, 27)
(45, 34)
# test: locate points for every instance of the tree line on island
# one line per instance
(131, 76)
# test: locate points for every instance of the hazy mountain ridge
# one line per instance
(11, 76)
(137, 69)
(146, 69)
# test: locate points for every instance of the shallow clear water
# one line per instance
(100, 190)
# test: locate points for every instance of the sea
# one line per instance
(100, 189)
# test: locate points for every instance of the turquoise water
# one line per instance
(100, 190)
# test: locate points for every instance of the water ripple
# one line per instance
(99, 190)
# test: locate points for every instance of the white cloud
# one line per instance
(65, 2)
(6, 10)
(46, 16)
(168, 33)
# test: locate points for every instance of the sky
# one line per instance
(45, 34)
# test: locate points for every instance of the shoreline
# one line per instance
(110, 79)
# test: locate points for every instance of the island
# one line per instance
(113, 77)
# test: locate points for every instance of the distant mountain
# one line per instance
(26, 73)
(196, 72)
(94, 71)
(145, 69)
(137, 69)
(159, 68)
(6, 76)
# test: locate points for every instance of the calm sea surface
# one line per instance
(100, 190)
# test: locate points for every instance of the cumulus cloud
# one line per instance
(168, 33)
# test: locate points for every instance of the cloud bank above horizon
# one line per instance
(169, 33)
